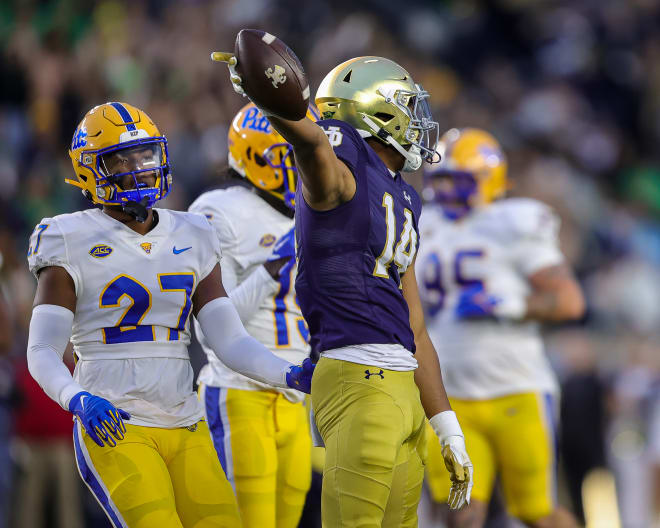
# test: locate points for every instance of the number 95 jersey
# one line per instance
(134, 297)
(498, 246)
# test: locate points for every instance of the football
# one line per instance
(273, 77)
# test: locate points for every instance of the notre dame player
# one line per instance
(357, 236)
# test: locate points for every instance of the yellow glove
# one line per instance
(457, 461)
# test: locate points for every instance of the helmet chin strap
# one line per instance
(413, 157)
(137, 210)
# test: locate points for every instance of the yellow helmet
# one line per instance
(475, 164)
(261, 155)
(107, 130)
(380, 99)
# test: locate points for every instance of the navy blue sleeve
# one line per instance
(345, 140)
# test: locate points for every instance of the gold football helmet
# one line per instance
(261, 155)
(379, 98)
(474, 165)
(108, 136)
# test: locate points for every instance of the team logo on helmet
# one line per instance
(79, 138)
(100, 251)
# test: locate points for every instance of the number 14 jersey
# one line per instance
(351, 260)
(134, 297)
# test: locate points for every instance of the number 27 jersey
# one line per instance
(134, 298)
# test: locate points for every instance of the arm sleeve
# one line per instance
(226, 335)
(50, 330)
(249, 294)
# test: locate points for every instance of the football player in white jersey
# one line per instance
(260, 432)
(490, 269)
(120, 282)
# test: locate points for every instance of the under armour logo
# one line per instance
(276, 74)
(407, 197)
(369, 374)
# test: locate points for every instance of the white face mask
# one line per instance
(413, 159)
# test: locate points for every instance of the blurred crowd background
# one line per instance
(571, 88)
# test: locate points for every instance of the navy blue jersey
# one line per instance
(351, 259)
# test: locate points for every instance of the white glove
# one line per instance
(456, 458)
(230, 59)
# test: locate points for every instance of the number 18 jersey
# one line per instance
(134, 296)
(351, 259)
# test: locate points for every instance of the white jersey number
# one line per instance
(404, 251)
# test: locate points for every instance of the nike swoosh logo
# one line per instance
(177, 251)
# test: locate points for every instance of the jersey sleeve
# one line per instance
(536, 229)
(48, 247)
(213, 253)
(345, 141)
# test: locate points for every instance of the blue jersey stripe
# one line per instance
(217, 428)
(128, 120)
(90, 479)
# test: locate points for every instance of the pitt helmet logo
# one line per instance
(100, 251)
(267, 240)
(255, 120)
(276, 75)
(146, 246)
(79, 138)
(369, 374)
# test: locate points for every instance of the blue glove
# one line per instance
(300, 376)
(285, 247)
(103, 422)
(475, 303)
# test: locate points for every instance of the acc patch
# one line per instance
(146, 246)
(267, 240)
(100, 251)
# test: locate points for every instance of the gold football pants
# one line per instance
(164, 478)
(513, 436)
(264, 445)
(372, 424)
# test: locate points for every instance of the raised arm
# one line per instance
(327, 181)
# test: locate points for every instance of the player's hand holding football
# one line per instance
(264, 69)
(456, 458)
(103, 422)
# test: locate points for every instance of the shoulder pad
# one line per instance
(345, 140)
(47, 246)
(525, 217)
